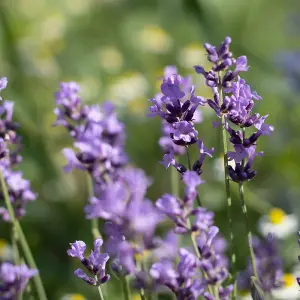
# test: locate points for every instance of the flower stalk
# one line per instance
(249, 233)
(125, 287)
(228, 195)
(23, 242)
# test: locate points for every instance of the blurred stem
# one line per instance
(228, 195)
(14, 241)
(100, 292)
(249, 233)
(125, 287)
(190, 168)
(23, 242)
(174, 182)
(17, 258)
(94, 222)
(140, 266)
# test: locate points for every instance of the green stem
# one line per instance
(100, 292)
(190, 168)
(17, 258)
(126, 288)
(94, 222)
(14, 241)
(174, 182)
(228, 196)
(249, 233)
(26, 250)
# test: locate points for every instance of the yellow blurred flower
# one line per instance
(110, 59)
(191, 55)
(127, 88)
(244, 295)
(73, 297)
(154, 39)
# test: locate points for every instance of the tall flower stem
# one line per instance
(94, 222)
(23, 242)
(100, 293)
(249, 233)
(125, 287)
(174, 182)
(14, 240)
(228, 196)
(190, 168)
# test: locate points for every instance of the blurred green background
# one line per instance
(116, 50)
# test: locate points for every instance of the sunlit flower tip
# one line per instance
(3, 84)
(244, 295)
(278, 223)
(136, 297)
(289, 289)
(6, 251)
(73, 297)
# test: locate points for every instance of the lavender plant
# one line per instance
(16, 192)
(118, 191)
(95, 263)
(233, 102)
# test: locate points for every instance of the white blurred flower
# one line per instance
(154, 39)
(191, 55)
(278, 223)
(289, 290)
(110, 58)
(127, 88)
(73, 297)
(6, 251)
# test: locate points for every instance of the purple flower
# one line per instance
(183, 133)
(77, 249)
(19, 189)
(241, 65)
(265, 129)
(97, 132)
(94, 264)
(181, 281)
(269, 265)
(163, 272)
(203, 218)
(13, 279)
(169, 205)
(165, 247)
(191, 180)
(236, 106)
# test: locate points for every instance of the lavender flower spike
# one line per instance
(94, 264)
(13, 279)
